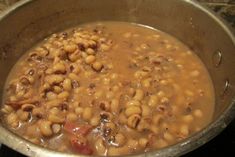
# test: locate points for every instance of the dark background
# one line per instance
(224, 143)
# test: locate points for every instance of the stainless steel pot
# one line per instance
(29, 21)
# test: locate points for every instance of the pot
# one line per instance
(29, 21)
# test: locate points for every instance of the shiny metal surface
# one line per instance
(29, 21)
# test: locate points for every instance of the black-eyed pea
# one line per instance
(120, 140)
(54, 79)
(63, 95)
(184, 130)
(27, 107)
(59, 68)
(79, 110)
(57, 89)
(139, 95)
(12, 120)
(153, 101)
(38, 112)
(133, 121)
(51, 95)
(198, 113)
(55, 118)
(70, 48)
(187, 119)
(143, 142)
(95, 121)
(146, 111)
(73, 57)
(71, 117)
(143, 125)
(104, 105)
(100, 147)
(133, 103)
(67, 84)
(45, 128)
(87, 113)
(6, 109)
(23, 115)
(73, 76)
(132, 110)
(90, 51)
(146, 82)
(97, 66)
(56, 128)
(90, 59)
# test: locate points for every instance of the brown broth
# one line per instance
(108, 88)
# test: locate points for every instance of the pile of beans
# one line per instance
(108, 89)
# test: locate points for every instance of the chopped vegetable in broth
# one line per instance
(108, 88)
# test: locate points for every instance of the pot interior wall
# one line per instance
(32, 22)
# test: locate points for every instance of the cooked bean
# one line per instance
(146, 111)
(120, 139)
(63, 95)
(94, 91)
(90, 59)
(139, 94)
(168, 136)
(38, 112)
(95, 121)
(133, 120)
(133, 103)
(71, 117)
(97, 66)
(7, 109)
(87, 113)
(12, 120)
(67, 84)
(59, 68)
(45, 128)
(132, 110)
(23, 116)
(100, 147)
(79, 110)
(187, 118)
(184, 130)
(104, 105)
(153, 101)
(27, 107)
(55, 118)
(70, 48)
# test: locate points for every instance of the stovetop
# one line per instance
(224, 143)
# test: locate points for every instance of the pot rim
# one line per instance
(214, 128)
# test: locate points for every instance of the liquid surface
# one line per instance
(108, 88)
